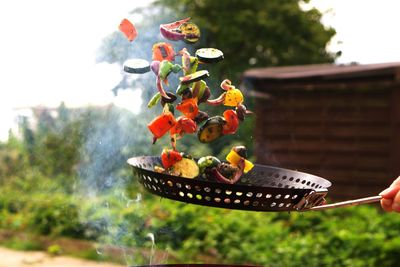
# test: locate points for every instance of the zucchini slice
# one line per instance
(136, 65)
(209, 55)
(186, 168)
(212, 129)
(194, 77)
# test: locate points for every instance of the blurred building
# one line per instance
(340, 122)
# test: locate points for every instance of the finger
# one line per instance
(390, 192)
(386, 204)
(396, 202)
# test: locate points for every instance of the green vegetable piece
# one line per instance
(181, 88)
(176, 68)
(199, 88)
(194, 63)
(208, 162)
(165, 69)
(154, 100)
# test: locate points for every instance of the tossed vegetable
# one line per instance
(208, 162)
(186, 168)
(174, 32)
(189, 107)
(161, 125)
(183, 126)
(238, 154)
(154, 100)
(163, 51)
(233, 98)
(211, 130)
(194, 77)
(191, 32)
(170, 157)
(136, 65)
(232, 122)
(127, 28)
(209, 55)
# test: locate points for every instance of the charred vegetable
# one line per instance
(208, 162)
(189, 107)
(237, 155)
(197, 76)
(170, 157)
(232, 122)
(209, 55)
(163, 51)
(211, 130)
(136, 65)
(191, 32)
(185, 168)
(161, 125)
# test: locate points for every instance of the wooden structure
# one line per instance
(339, 122)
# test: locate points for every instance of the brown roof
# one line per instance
(322, 71)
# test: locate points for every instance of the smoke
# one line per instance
(114, 210)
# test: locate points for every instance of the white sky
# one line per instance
(47, 42)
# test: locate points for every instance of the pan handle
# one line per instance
(354, 202)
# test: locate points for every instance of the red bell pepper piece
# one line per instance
(127, 28)
(232, 122)
(169, 157)
(189, 108)
(183, 125)
(161, 124)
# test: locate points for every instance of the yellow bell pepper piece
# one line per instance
(233, 98)
(233, 158)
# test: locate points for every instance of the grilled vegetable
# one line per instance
(127, 28)
(233, 98)
(161, 124)
(194, 77)
(163, 51)
(171, 99)
(186, 168)
(155, 67)
(166, 67)
(170, 157)
(136, 65)
(198, 88)
(217, 101)
(236, 155)
(190, 31)
(232, 122)
(171, 30)
(201, 116)
(233, 176)
(211, 130)
(183, 126)
(154, 100)
(208, 162)
(209, 55)
(189, 107)
(206, 95)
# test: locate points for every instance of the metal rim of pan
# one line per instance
(136, 65)
(194, 77)
(209, 55)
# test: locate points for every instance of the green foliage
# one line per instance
(257, 33)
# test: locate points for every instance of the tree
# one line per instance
(257, 33)
(250, 34)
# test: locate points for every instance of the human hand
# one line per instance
(391, 197)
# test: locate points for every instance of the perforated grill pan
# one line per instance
(264, 188)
